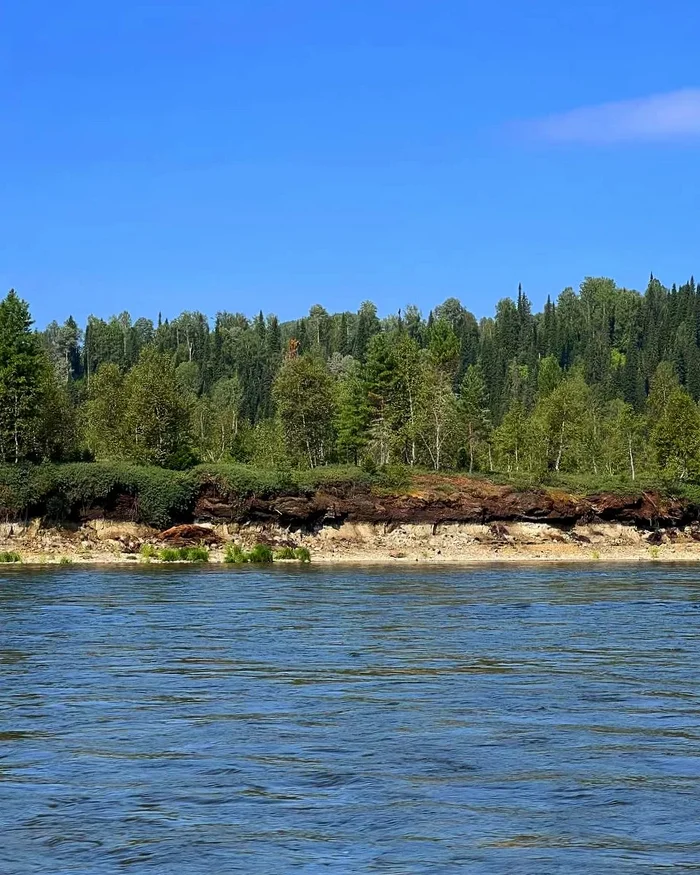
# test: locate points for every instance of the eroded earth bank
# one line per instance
(460, 520)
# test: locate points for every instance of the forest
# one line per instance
(603, 382)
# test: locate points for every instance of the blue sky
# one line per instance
(237, 155)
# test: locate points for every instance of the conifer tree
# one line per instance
(22, 371)
(352, 414)
(476, 416)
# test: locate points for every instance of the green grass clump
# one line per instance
(194, 554)
(10, 556)
(261, 554)
(65, 560)
(184, 554)
(234, 555)
(148, 551)
(302, 554)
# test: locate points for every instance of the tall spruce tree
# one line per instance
(22, 371)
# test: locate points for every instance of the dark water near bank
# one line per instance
(487, 720)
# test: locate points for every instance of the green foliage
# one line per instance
(260, 554)
(216, 420)
(475, 413)
(156, 417)
(444, 346)
(235, 555)
(65, 560)
(438, 424)
(303, 554)
(675, 436)
(589, 387)
(105, 414)
(72, 490)
(148, 551)
(267, 446)
(183, 554)
(194, 554)
(151, 495)
(10, 556)
(23, 369)
(549, 377)
(352, 416)
(395, 478)
(304, 397)
(327, 477)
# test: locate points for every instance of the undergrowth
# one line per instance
(261, 554)
(161, 497)
(183, 554)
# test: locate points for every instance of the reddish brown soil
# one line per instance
(440, 500)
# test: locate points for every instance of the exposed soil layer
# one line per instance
(459, 499)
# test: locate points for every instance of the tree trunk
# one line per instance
(629, 446)
(413, 428)
(561, 448)
(16, 429)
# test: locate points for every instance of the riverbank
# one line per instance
(104, 541)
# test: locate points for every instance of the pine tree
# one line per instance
(22, 370)
(352, 416)
(474, 410)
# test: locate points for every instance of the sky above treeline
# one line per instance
(230, 155)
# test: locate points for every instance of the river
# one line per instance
(543, 719)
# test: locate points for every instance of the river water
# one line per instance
(488, 720)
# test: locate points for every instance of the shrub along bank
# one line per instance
(152, 495)
(159, 497)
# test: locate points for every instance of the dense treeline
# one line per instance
(604, 381)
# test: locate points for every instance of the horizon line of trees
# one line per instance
(602, 381)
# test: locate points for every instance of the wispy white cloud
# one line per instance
(659, 117)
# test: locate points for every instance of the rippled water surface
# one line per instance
(488, 720)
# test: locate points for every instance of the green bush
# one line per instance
(184, 554)
(65, 560)
(332, 475)
(234, 555)
(148, 551)
(149, 494)
(194, 554)
(302, 554)
(299, 553)
(10, 556)
(261, 554)
(238, 481)
(72, 490)
(395, 477)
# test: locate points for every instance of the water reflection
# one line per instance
(484, 720)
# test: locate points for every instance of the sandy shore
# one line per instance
(103, 542)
